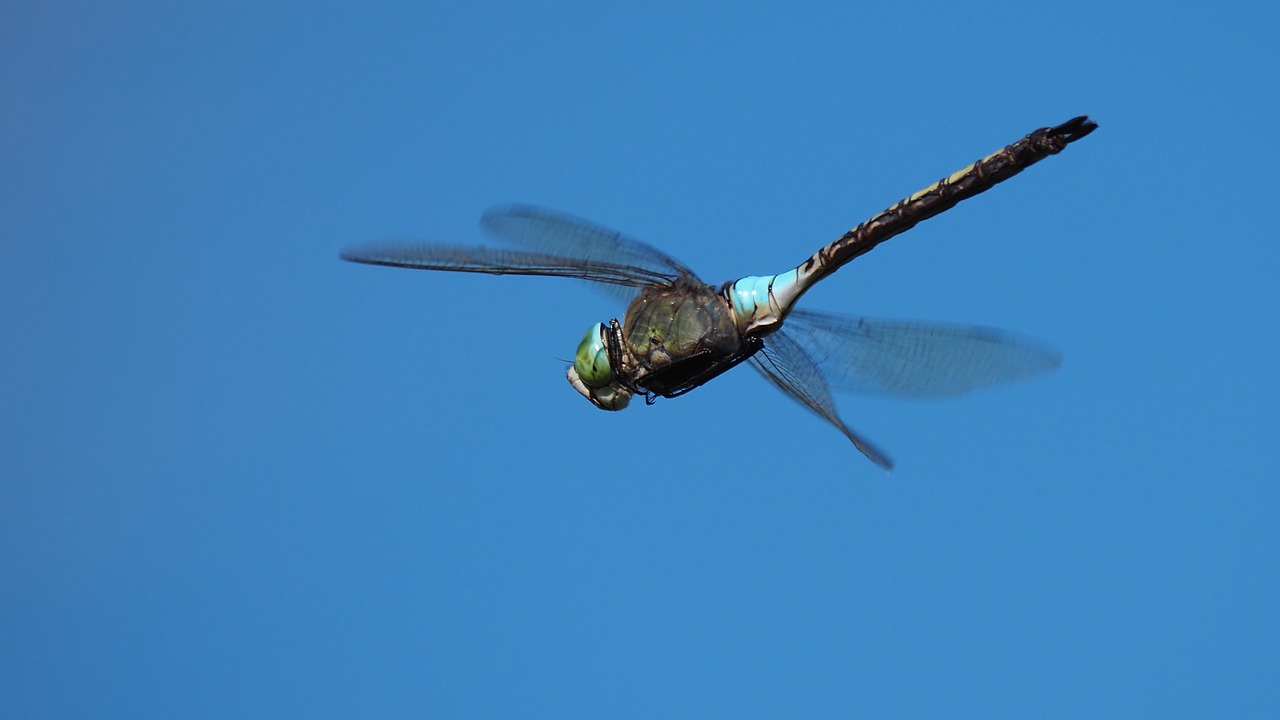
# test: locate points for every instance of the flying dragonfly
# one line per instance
(679, 332)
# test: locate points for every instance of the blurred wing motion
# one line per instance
(889, 357)
(562, 235)
(501, 261)
(561, 246)
(815, 353)
(785, 364)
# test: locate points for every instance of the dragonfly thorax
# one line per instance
(669, 325)
(674, 338)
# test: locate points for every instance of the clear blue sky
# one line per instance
(241, 478)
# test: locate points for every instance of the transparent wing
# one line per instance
(785, 363)
(561, 235)
(914, 359)
(496, 261)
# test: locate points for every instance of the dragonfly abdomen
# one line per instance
(940, 197)
(761, 302)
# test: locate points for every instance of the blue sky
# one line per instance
(244, 479)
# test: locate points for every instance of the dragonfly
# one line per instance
(679, 332)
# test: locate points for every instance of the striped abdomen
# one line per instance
(763, 302)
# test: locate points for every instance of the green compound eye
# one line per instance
(592, 359)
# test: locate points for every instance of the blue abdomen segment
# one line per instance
(761, 302)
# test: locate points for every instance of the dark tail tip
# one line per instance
(1075, 128)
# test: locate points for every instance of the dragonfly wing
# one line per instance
(495, 261)
(787, 365)
(555, 233)
(891, 357)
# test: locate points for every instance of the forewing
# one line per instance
(555, 233)
(785, 363)
(496, 261)
(914, 359)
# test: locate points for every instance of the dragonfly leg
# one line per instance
(620, 362)
(694, 371)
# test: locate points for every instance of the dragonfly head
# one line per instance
(591, 373)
